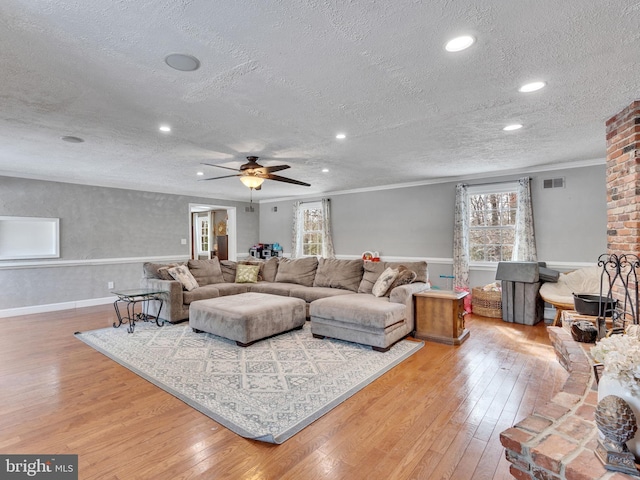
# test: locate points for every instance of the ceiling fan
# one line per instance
(252, 174)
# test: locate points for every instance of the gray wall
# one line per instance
(570, 222)
(98, 228)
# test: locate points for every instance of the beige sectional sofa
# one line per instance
(338, 293)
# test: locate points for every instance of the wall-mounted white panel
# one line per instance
(29, 237)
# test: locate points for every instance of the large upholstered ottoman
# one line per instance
(360, 318)
(247, 317)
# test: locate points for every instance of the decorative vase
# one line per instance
(609, 385)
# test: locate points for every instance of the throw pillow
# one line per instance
(405, 276)
(182, 274)
(163, 272)
(206, 271)
(384, 282)
(158, 270)
(247, 273)
(420, 267)
(372, 271)
(268, 268)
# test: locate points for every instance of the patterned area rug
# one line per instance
(268, 391)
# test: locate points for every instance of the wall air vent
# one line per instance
(553, 183)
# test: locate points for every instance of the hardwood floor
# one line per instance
(437, 415)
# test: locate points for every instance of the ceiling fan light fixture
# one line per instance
(251, 181)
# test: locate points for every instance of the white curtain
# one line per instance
(327, 239)
(524, 247)
(296, 230)
(461, 238)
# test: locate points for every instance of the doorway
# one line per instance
(213, 232)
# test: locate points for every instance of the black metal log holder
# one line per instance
(620, 270)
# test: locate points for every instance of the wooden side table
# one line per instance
(440, 316)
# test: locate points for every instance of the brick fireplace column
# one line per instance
(623, 195)
(623, 181)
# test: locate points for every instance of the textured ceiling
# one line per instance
(279, 79)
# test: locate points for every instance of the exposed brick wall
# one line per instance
(623, 181)
(623, 186)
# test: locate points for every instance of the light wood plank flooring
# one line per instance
(438, 415)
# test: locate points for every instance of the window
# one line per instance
(203, 235)
(312, 228)
(492, 219)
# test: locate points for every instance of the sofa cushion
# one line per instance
(228, 268)
(372, 271)
(200, 293)
(335, 273)
(299, 270)
(358, 308)
(206, 271)
(182, 274)
(270, 269)
(384, 281)
(273, 288)
(247, 273)
(311, 294)
(225, 289)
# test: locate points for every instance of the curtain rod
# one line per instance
(492, 183)
(314, 201)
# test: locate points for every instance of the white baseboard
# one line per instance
(53, 307)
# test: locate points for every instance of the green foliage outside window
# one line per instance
(312, 232)
(492, 218)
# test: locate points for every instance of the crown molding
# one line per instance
(434, 181)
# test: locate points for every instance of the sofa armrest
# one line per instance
(404, 294)
(172, 308)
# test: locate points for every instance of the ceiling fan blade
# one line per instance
(284, 179)
(275, 168)
(220, 166)
(217, 178)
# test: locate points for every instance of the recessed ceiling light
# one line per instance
(71, 139)
(200, 174)
(531, 87)
(325, 170)
(184, 63)
(165, 128)
(459, 43)
(340, 136)
(510, 128)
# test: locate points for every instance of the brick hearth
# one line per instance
(557, 441)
